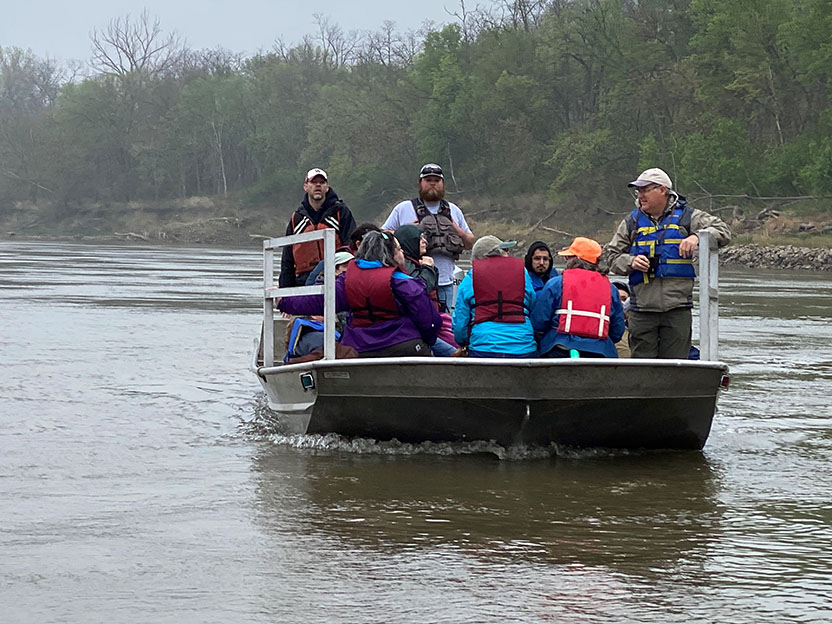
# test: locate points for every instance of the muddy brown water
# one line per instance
(139, 484)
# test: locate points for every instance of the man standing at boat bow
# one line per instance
(320, 208)
(654, 245)
(443, 223)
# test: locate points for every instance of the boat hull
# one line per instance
(582, 403)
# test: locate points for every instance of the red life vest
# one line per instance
(308, 255)
(499, 290)
(370, 295)
(586, 303)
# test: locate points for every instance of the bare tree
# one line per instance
(27, 83)
(388, 48)
(525, 14)
(338, 48)
(128, 46)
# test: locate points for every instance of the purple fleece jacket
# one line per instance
(419, 316)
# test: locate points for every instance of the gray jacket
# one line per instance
(660, 294)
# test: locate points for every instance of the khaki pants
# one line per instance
(660, 334)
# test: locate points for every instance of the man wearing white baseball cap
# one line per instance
(654, 245)
(320, 208)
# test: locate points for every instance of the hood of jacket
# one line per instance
(409, 236)
(528, 260)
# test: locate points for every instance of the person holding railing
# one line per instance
(654, 245)
(390, 313)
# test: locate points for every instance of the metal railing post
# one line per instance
(329, 294)
(708, 297)
(268, 305)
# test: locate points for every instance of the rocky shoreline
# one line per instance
(777, 257)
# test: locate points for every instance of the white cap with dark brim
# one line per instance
(652, 176)
(312, 173)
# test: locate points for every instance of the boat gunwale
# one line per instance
(491, 362)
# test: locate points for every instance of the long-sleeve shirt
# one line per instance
(492, 336)
(545, 322)
(419, 316)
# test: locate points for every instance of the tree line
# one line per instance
(564, 99)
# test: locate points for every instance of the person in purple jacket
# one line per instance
(390, 313)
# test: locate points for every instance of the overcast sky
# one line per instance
(61, 30)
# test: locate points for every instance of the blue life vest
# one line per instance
(299, 327)
(660, 243)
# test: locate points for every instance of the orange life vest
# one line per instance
(308, 255)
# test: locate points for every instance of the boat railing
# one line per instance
(708, 292)
(271, 291)
(708, 296)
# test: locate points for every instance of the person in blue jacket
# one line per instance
(539, 264)
(493, 304)
(579, 312)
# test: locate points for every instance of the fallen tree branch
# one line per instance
(556, 231)
(539, 223)
(129, 235)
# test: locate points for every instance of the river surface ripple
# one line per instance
(138, 483)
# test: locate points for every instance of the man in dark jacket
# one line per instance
(539, 264)
(321, 208)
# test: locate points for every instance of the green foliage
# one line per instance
(574, 98)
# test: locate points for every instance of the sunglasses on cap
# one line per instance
(431, 170)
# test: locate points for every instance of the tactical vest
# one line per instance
(308, 255)
(439, 229)
(370, 295)
(499, 290)
(660, 243)
(586, 302)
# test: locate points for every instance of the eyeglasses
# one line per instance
(646, 189)
(431, 170)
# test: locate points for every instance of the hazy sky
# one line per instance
(61, 30)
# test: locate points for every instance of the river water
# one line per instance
(138, 483)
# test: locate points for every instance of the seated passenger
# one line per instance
(417, 264)
(305, 335)
(390, 313)
(358, 234)
(342, 256)
(539, 264)
(579, 310)
(493, 303)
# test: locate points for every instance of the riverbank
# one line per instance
(777, 257)
(780, 242)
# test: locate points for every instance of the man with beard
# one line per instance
(320, 208)
(443, 223)
(539, 264)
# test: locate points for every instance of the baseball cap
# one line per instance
(584, 248)
(342, 256)
(431, 169)
(652, 176)
(489, 244)
(315, 172)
